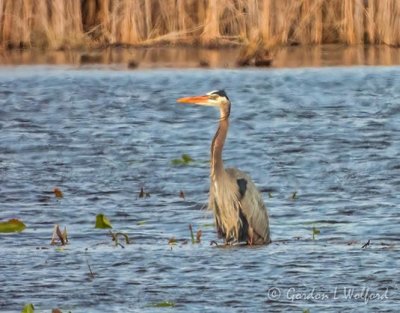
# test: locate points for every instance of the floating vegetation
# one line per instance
(115, 236)
(102, 221)
(141, 222)
(191, 234)
(91, 273)
(172, 241)
(315, 231)
(198, 235)
(182, 195)
(28, 308)
(294, 195)
(184, 160)
(12, 226)
(209, 225)
(59, 236)
(143, 194)
(58, 193)
(164, 304)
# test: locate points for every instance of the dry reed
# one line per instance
(58, 24)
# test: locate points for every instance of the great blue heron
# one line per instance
(239, 210)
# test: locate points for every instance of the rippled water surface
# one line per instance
(331, 135)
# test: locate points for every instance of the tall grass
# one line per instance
(58, 24)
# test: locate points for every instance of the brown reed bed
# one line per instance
(64, 24)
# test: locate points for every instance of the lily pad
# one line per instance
(12, 226)
(102, 221)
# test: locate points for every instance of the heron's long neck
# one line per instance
(217, 145)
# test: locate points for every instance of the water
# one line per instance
(153, 57)
(331, 135)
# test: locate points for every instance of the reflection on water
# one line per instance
(324, 55)
(332, 135)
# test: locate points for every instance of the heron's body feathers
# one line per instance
(239, 208)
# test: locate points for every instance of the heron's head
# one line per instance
(217, 98)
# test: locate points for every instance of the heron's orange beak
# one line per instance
(195, 100)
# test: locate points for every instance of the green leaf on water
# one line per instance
(209, 225)
(184, 160)
(176, 162)
(28, 308)
(102, 221)
(12, 226)
(141, 222)
(306, 311)
(164, 304)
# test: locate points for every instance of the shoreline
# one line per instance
(266, 23)
(191, 57)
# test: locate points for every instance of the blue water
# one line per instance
(331, 135)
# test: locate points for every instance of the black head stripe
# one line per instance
(220, 93)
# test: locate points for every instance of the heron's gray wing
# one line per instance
(242, 183)
(252, 205)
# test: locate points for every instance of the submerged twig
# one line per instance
(91, 273)
(366, 244)
(213, 242)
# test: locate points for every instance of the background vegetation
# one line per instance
(58, 24)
